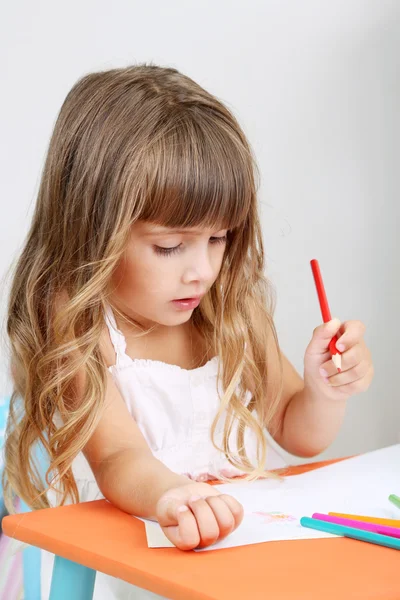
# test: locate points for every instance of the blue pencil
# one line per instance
(351, 532)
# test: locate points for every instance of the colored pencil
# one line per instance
(381, 521)
(374, 527)
(326, 313)
(394, 500)
(356, 534)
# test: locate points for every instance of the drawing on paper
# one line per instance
(275, 517)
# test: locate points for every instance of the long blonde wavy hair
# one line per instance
(141, 142)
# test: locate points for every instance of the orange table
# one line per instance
(103, 538)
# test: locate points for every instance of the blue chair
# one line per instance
(31, 555)
(4, 406)
(80, 579)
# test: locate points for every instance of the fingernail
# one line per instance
(182, 508)
(326, 380)
(340, 347)
(323, 373)
(194, 498)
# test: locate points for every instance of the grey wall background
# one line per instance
(314, 83)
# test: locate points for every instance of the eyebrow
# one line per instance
(175, 231)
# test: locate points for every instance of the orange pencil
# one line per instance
(378, 520)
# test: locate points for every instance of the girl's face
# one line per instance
(161, 266)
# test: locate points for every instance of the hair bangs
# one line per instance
(198, 174)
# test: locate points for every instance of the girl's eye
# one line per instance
(166, 251)
(169, 251)
(218, 240)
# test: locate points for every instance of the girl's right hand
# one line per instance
(197, 515)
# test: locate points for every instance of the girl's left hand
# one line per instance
(320, 373)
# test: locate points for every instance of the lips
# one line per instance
(187, 303)
(188, 299)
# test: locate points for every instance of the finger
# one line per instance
(356, 387)
(350, 359)
(351, 333)
(235, 507)
(206, 522)
(327, 369)
(322, 336)
(351, 375)
(167, 511)
(223, 515)
(185, 535)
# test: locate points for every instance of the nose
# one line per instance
(199, 269)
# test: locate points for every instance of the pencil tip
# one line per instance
(337, 361)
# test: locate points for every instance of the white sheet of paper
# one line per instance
(359, 485)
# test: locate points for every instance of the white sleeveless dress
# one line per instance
(174, 409)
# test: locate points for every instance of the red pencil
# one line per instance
(326, 313)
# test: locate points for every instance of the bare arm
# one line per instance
(307, 422)
(125, 469)
(133, 480)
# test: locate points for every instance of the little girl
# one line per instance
(143, 352)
